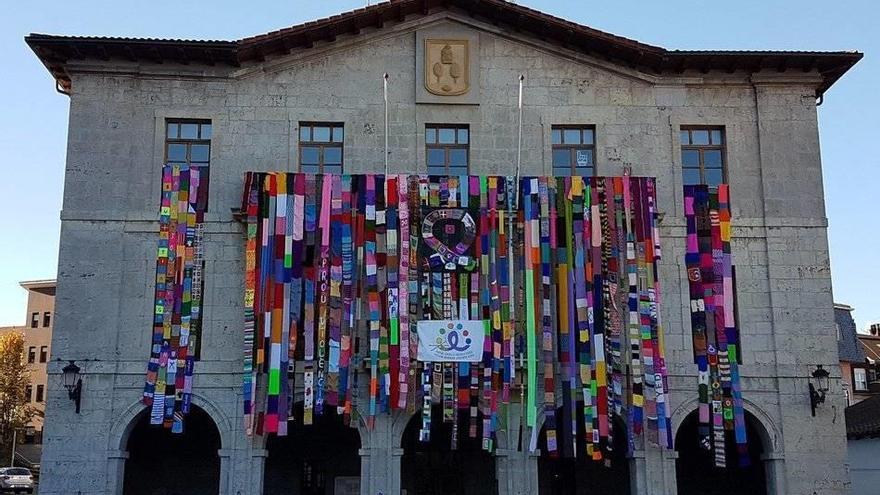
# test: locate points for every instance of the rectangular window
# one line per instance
(702, 155)
(47, 319)
(29, 393)
(32, 354)
(320, 147)
(860, 379)
(40, 389)
(574, 149)
(44, 354)
(188, 142)
(447, 149)
(35, 320)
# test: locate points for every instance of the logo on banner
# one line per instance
(448, 236)
(450, 340)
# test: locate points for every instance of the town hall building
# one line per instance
(312, 98)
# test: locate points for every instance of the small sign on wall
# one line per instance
(459, 341)
(583, 158)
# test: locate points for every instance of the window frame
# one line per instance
(29, 392)
(856, 386)
(32, 354)
(47, 319)
(573, 148)
(40, 395)
(44, 353)
(188, 142)
(35, 320)
(321, 145)
(701, 149)
(447, 147)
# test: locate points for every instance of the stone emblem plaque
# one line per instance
(447, 67)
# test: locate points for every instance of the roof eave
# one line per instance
(831, 66)
(56, 51)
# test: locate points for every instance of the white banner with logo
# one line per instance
(458, 341)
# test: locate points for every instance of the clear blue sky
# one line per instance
(33, 118)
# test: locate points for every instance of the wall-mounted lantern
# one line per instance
(72, 382)
(818, 387)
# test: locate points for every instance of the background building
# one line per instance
(870, 346)
(853, 366)
(310, 98)
(863, 444)
(859, 356)
(859, 359)
(37, 332)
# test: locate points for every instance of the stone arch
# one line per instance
(364, 431)
(156, 461)
(564, 473)
(430, 466)
(695, 470)
(259, 441)
(125, 422)
(771, 436)
(399, 422)
(121, 429)
(313, 458)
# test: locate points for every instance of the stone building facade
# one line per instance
(257, 92)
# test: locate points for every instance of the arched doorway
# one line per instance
(581, 475)
(164, 463)
(695, 470)
(433, 468)
(317, 459)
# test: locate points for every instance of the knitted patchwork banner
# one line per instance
(560, 274)
(711, 278)
(178, 301)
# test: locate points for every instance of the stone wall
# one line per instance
(112, 189)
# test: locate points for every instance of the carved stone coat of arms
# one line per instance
(447, 67)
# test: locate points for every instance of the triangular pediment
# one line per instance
(412, 38)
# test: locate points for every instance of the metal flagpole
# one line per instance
(386, 122)
(517, 192)
(519, 138)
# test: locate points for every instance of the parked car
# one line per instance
(16, 479)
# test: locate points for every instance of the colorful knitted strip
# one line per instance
(347, 322)
(531, 257)
(403, 358)
(372, 295)
(250, 208)
(547, 246)
(177, 308)
(716, 338)
(336, 301)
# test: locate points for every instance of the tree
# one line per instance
(15, 412)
